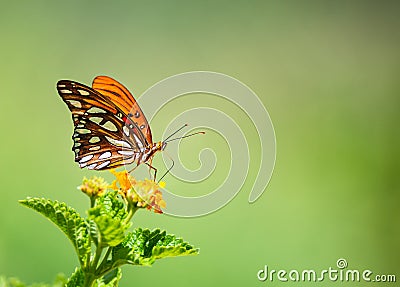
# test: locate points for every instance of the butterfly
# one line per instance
(110, 129)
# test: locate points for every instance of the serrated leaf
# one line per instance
(110, 204)
(109, 216)
(143, 247)
(111, 231)
(93, 232)
(77, 279)
(67, 219)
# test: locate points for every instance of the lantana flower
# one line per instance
(150, 192)
(93, 187)
(140, 193)
(123, 179)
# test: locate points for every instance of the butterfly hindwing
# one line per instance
(100, 143)
(104, 137)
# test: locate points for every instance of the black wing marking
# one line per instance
(104, 137)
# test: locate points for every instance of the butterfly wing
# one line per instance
(104, 137)
(118, 94)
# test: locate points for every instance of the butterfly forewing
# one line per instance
(118, 94)
(104, 136)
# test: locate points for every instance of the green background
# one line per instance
(328, 73)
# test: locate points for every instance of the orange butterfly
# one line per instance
(110, 129)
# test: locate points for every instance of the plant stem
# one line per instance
(97, 256)
(89, 280)
(104, 261)
(87, 267)
(131, 211)
(92, 201)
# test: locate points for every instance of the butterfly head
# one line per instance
(159, 146)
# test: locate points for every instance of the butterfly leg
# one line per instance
(133, 169)
(169, 169)
(153, 168)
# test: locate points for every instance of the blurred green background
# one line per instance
(328, 73)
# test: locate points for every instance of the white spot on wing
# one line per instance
(94, 148)
(96, 120)
(61, 86)
(138, 142)
(86, 158)
(83, 92)
(91, 166)
(117, 142)
(107, 154)
(95, 110)
(83, 131)
(94, 140)
(76, 104)
(66, 91)
(110, 126)
(126, 131)
(126, 152)
(104, 164)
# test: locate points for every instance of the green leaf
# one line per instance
(60, 281)
(143, 247)
(93, 232)
(110, 204)
(109, 215)
(77, 279)
(110, 231)
(110, 279)
(67, 219)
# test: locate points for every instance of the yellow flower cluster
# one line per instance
(93, 187)
(141, 193)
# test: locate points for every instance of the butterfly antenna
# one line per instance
(169, 169)
(197, 133)
(177, 131)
